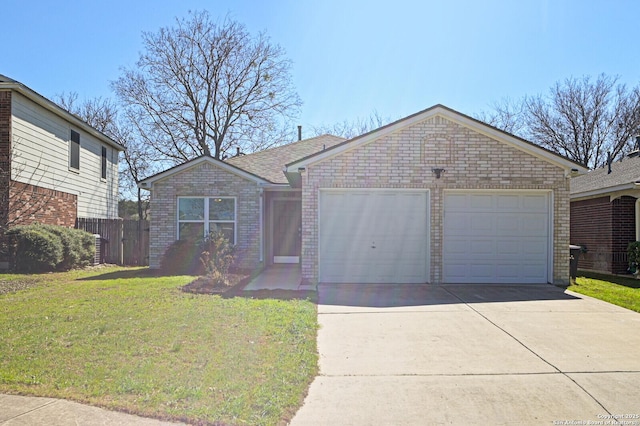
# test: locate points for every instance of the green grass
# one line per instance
(124, 339)
(621, 291)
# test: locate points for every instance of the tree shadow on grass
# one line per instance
(626, 281)
(275, 294)
(125, 274)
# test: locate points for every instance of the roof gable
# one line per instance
(11, 84)
(449, 114)
(148, 182)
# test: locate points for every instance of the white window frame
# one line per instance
(207, 222)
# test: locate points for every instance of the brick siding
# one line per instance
(405, 158)
(205, 180)
(33, 204)
(606, 228)
(5, 155)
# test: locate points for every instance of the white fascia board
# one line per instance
(601, 192)
(148, 183)
(454, 117)
(60, 112)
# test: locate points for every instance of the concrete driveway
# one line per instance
(472, 354)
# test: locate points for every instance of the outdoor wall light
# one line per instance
(438, 172)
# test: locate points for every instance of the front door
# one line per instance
(287, 230)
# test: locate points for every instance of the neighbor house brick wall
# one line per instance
(205, 180)
(623, 232)
(33, 204)
(605, 228)
(405, 158)
(5, 154)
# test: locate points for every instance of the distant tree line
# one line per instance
(205, 87)
(580, 118)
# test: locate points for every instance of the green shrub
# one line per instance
(34, 249)
(217, 257)
(633, 252)
(43, 248)
(182, 258)
(78, 247)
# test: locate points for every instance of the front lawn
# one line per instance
(124, 339)
(621, 291)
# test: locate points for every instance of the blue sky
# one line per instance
(349, 57)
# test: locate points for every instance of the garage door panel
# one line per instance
(480, 202)
(536, 203)
(482, 247)
(382, 236)
(496, 237)
(508, 202)
(537, 247)
(481, 271)
(482, 223)
(535, 224)
(508, 249)
(507, 224)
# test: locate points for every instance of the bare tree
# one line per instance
(506, 115)
(201, 87)
(580, 118)
(100, 113)
(20, 202)
(350, 129)
(103, 115)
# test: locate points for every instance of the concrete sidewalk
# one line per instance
(33, 411)
(399, 355)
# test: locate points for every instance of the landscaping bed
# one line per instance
(205, 285)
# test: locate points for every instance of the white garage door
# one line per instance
(373, 236)
(496, 237)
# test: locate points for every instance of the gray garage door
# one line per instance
(373, 236)
(496, 237)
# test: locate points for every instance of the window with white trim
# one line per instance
(198, 216)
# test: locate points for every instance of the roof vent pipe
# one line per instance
(299, 133)
(609, 162)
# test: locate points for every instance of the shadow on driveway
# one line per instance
(397, 295)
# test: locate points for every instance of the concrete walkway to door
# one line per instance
(471, 354)
(279, 277)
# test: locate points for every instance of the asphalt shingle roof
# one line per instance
(269, 164)
(623, 172)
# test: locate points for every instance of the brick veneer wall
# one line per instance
(606, 228)
(404, 160)
(5, 154)
(591, 227)
(205, 180)
(623, 231)
(33, 204)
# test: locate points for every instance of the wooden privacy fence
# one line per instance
(123, 241)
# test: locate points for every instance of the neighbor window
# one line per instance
(199, 216)
(104, 163)
(74, 150)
